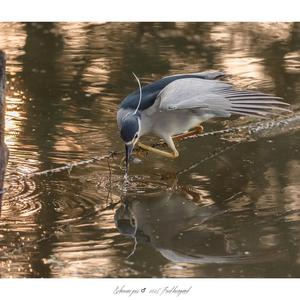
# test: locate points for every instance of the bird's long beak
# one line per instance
(128, 151)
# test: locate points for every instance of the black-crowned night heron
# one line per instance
(170, 107)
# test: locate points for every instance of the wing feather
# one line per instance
(219, 98)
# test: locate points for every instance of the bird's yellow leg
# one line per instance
(173, 154)
(197, 130)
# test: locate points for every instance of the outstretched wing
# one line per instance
(218, 98)
(151, 91)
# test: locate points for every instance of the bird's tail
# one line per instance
(257, 104)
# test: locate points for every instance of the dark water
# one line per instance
(236, 214)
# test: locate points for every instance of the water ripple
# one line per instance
(21, 200)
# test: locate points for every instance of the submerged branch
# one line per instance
(3, 148)
(71, 165)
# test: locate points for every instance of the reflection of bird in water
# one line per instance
(180, 229)
(170, 107)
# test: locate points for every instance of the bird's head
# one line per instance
(130, 133)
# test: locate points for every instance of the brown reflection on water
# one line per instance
(65, 81)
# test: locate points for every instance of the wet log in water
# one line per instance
(3, 148)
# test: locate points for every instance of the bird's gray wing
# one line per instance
(218, 98)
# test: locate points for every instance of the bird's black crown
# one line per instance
(130, 127)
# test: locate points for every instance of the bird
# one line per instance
(176, 106)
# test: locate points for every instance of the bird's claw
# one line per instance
(140, 152)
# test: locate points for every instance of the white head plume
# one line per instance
(140, 88)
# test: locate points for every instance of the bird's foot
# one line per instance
(197, 130)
